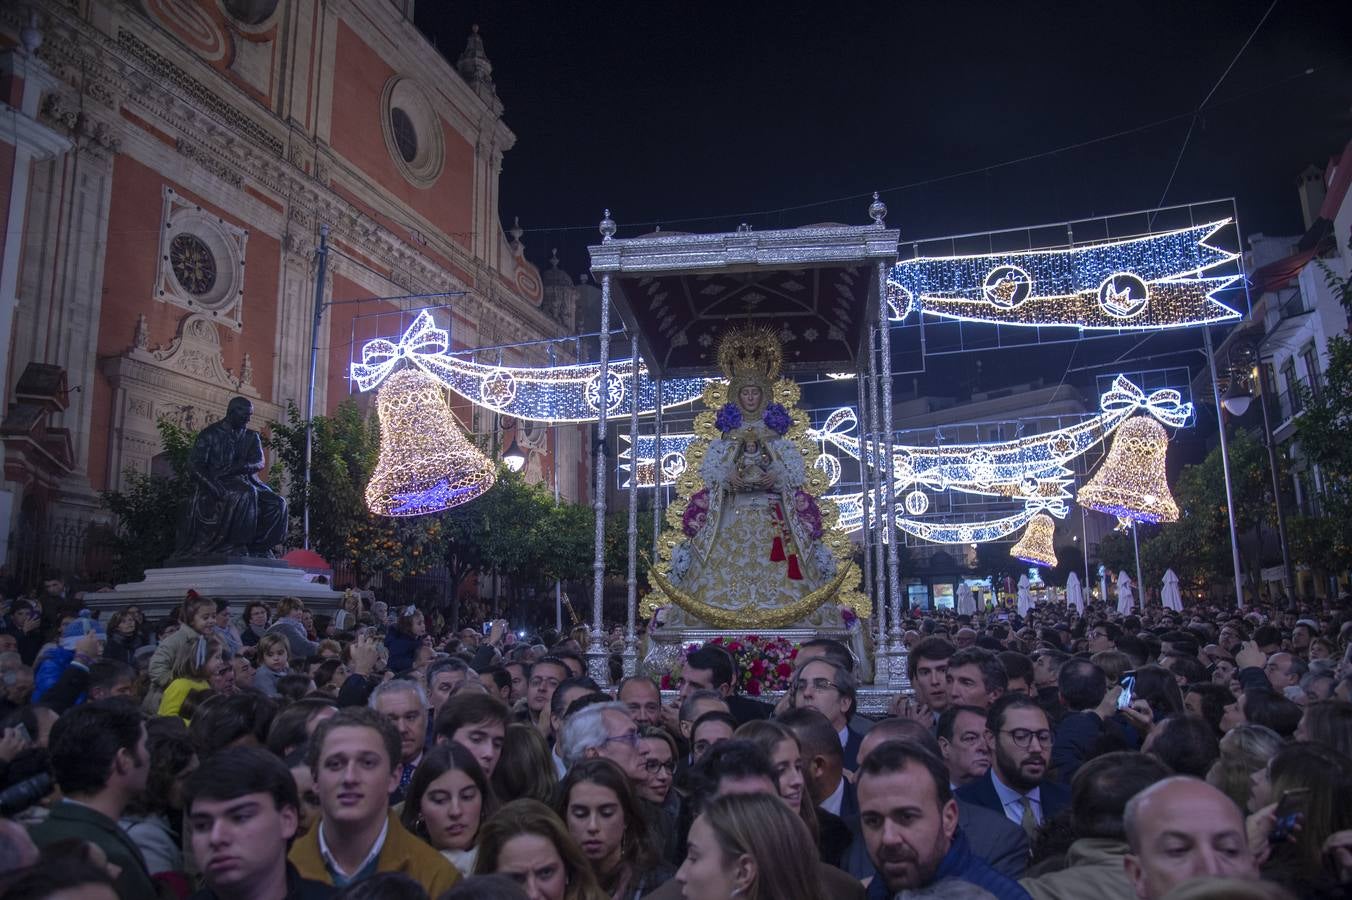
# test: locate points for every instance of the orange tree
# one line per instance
(342, 530)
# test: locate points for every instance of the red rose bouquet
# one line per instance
(764, 664)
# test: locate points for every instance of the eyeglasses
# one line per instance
(652, 765)
(1022, 737)
(631, 738)
(818, 684)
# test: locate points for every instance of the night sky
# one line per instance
(770, 113)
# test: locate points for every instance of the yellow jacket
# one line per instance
(174, 695)
(403, 852)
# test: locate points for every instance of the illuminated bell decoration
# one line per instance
(426, 464)
(1036, 544)
(1131, 483)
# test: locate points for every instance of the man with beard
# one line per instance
(1018, 730)
(909, 820)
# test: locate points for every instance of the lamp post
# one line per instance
(1237, 401)
(1225, 468)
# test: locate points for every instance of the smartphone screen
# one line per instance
(488, 626)
(1290, 811)
(1128, 682)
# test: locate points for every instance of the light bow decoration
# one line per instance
(426, 465)
(1037, 546)
(1032, 469)
(1150, 282)
(554, 394)
(1131, 484)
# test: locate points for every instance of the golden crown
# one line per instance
(750, 351)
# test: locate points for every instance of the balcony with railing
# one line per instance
(1284, 406)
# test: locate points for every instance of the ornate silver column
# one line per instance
(630, 656)
(872, 451)
(866, 529)
(898, 660)
(598, 664)
(658, 490)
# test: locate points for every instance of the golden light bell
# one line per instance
(426, 464)
(1131, 483)
(1036, 546)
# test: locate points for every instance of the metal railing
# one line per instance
(79, 552)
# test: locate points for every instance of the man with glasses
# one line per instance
(1017, 784)
(830, 689)
(605, 730)
(1103, 637)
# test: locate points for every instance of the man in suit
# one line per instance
(830, 689)
(99, 760)
(994, 839)
(710, 668)
(824, 771)
(1021, 736)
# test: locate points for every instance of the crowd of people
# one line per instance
(268, 753)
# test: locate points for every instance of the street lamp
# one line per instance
(1237, 398)
(514, 459)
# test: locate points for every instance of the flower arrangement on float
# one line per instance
(764, 664)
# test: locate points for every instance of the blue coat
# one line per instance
(991, 837)
(53, 663)
(959, 864)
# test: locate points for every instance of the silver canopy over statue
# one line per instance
(232, 513)
(751, 542)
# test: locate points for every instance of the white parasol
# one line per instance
(1075, 593)
(1170, 596)
(1025, 598)
(966, 602)
(1125, 601)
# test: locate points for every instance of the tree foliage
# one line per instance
(149, 509)
(346, 447)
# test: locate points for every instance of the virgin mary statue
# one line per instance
(750, 542)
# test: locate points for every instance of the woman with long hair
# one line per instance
(1244, 750)
(786, 757)
(602, 813)
(1328, 722)
(525, 841)
(447, 801)
(1157, 686)
(751, 847)
(1322, 777)
(525, 769)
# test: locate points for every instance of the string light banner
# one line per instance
(1151, 282)
(550, 394)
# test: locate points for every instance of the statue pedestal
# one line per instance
(237, 581)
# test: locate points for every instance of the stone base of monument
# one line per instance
(237, 580)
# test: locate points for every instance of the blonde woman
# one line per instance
(1244, 750)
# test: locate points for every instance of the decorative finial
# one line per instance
(516, 230)
(554, 258)
(30, 35)
(607, 227)
(877, 210)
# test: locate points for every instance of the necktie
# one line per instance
(1028, 820)
(406, 776)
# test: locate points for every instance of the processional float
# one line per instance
(823, 296)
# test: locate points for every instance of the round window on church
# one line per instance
(413, 131)
(193, 263)
(405, 135)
